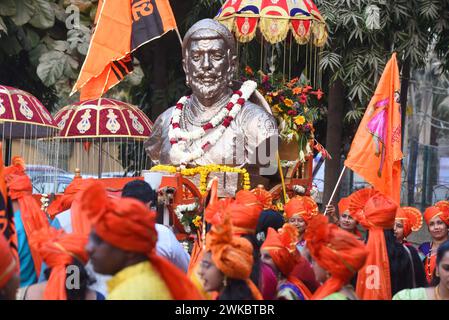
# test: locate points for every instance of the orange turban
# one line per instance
(304, 206)
(58, 250)
(7, 262)
(245, 212)
(282, 248)
(264, 197)
(20, 189)
(376, 212)
(337, 251)
(440, 209)
(411, 219)
(232, 255)
(127, 224)
(343, 205)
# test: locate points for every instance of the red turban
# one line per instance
(244, 210)
(129, 225)
(303, 206)
(440, 209)
(411, 219)
(231, 254)
(376, 212)
(58, 250)
(337, 251)
(20, 189)
(282, 248)
(264, 197)
(343, 205)
(7, 262)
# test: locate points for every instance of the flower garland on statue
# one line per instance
(220, 122)
(204, 172)
(179, 211)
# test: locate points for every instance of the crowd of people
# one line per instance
(90, 245)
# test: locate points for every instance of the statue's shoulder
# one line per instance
(165, 117)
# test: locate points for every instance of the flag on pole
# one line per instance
(375, 152)
(121, 26)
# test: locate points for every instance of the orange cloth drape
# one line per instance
(337, 251)
(8, 264)
(58, 250)
(375, 152)
(282, 249)
(7, 225)
(377, 214)
(33, 218)
(129, 225)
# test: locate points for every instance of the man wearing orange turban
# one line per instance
(28, 217)
(65, 256)
(337, 256)
(9, 280)
(122, 243)
(375, 212)
(408, 220)
(279, 251)
(227, 263)
(437, 220)
(345, 221)
(298, 212)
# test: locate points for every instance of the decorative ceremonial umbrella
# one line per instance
(274, 19)
(23, 117)
(103, 121)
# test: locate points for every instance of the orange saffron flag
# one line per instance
(375, 152)
(120, 28)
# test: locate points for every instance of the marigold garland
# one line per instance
(204, 172)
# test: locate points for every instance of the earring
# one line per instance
(225, 282)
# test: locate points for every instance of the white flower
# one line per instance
(178, 152)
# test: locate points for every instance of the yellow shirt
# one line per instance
(138, 282)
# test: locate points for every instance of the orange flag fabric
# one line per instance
(375, 152)
(120, 28)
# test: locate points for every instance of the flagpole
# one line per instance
(335, 189)
(179, 36)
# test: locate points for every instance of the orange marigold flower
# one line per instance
(297, 90)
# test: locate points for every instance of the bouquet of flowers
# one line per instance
(294, 104)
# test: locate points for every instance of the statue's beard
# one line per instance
(208, 87)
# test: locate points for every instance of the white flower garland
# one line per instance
(185, 208)
(221, 122)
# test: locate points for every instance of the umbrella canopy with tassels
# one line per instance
(274, 19)
(24, 118)
(103, 121)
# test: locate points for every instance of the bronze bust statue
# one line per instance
(209, 61)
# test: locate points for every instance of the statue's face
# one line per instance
(208, 65)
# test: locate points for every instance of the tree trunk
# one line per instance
(333, 138)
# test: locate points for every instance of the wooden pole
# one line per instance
(335, 189)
